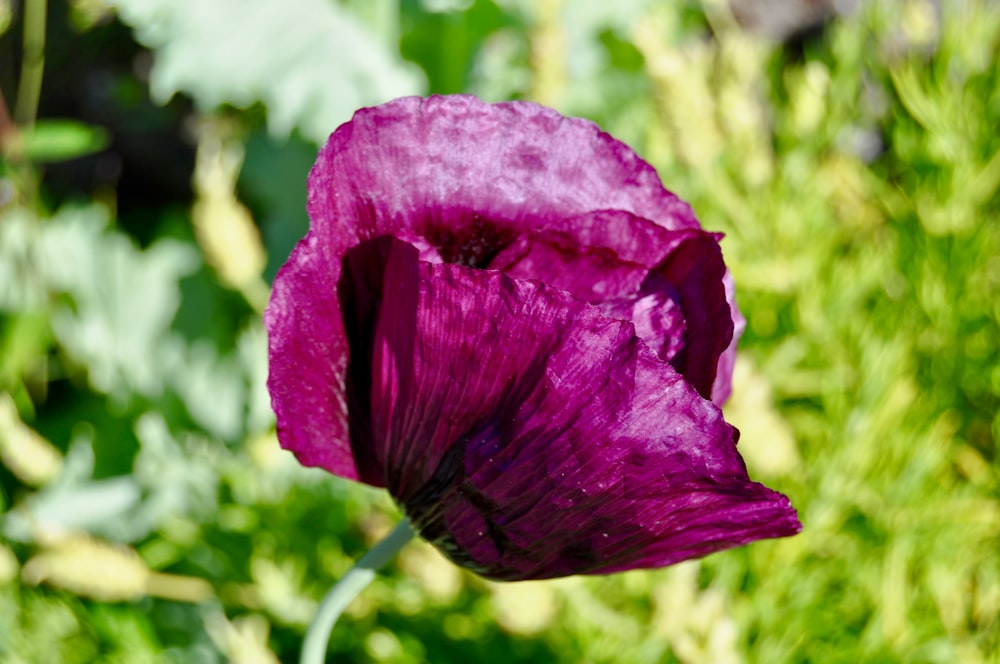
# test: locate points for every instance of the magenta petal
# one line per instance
(547, 413)
(676, 298)
(308, 353)
(469, 176)
(457, 177)
(632, 238)
(727, 361)
(594, 274)
(619, 288)
(696, 269)
(529, 436)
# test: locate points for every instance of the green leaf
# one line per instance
(121, 299)
(125, 299)
(62, 140)
(75, 502)
(310, 62)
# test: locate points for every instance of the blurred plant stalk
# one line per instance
(722, 113)
(694, 137)
(33, 64)
(13, 128)
(29, 456)
(548, 54)
(93, 568)
(223, 226)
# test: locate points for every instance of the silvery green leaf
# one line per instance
(252, 348)
(124, 298)
(178, 478)
(212, 388)
(310, 62)
(74, 502)
(19, 291)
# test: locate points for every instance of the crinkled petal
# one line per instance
(633, 238)
(727, 361)
(320, 322)
(460, 179)
(530, 436)
(469, 176)
(308, 356)
(676, 297)
(594, 274)
(695, 268)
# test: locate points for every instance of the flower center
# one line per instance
(474, 243)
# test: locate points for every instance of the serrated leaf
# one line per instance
(124, 297)
(310, 62)
(74, 502)
(212, 388)
(176, 479)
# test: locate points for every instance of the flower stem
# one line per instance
(33, 65)
(345, 590)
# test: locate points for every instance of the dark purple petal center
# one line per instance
(467, 239)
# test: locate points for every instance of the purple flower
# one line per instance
(501, 315)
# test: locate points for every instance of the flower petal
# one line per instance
(695, 268)
(530, 436)
(727, 361)
(460, 179)
(676, 297)
(320, 323)
(469, 176)
(308, 355)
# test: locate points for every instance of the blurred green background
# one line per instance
(153, 178)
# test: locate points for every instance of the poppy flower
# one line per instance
(500, 315)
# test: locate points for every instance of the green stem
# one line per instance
(345, 590)
(6, 124)
(33, 64)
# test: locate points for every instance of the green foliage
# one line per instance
(60, 140)
(310, 62)
(149, 515)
